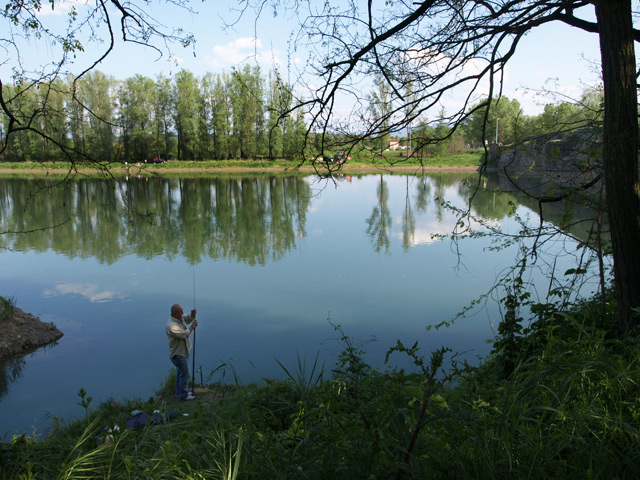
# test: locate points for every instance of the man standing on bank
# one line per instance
(179, 346)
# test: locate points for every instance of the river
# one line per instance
(272, 264)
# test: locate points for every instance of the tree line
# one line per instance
(237, 115)
(214, 117)
(505, 123)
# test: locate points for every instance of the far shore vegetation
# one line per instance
(247, 116)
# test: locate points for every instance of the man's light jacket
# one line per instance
(178, 334)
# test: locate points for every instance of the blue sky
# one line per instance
(556, 56)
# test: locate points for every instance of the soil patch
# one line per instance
(25, 333)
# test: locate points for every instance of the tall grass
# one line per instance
(7, 308)
(569, 410)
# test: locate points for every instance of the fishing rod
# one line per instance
(193, 365)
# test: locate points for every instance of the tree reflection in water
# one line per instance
(246, 219)
(10, 370)
(249, 219)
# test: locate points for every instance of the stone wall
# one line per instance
(566, 153)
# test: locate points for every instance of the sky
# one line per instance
(557, 57)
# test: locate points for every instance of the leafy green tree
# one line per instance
(186, 97)
(205, 117)
(52, 122)
(221, 118)
(438, 139)
(570, 115)
(162, 119)
(278, 102)
(95, 92)
(38, 127)
(286, 127)
(38, 130)
(502, 123)
(296, 137)
(247, 104)
(257, 89)
(380, 109)
(135, 96)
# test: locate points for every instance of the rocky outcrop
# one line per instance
(575, 153)
(25, 333)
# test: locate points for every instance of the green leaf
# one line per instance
(415, 392)
(575, 271)
(439, 401)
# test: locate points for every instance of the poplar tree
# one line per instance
(221, 120)
(96, 92)
(163, 121)
(135, 97)
(186, 96)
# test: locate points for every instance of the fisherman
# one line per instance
(179, 345)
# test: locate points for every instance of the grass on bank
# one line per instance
(470, 158)
(569, 408)
(7, 309)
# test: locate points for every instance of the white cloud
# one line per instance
(424, 236)
(89, 291)
(61, 8)
(435, 230)
(240, 51)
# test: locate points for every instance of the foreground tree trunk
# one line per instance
(620, 150)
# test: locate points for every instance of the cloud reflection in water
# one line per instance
(90, 291)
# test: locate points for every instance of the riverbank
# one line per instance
(466, 162)
(567, 408)
(306, 170)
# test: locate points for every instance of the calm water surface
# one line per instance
(266, 261)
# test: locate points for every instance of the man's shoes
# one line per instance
(188, 397)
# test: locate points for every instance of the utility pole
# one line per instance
(497, 120)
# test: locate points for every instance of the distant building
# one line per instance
(394, 144)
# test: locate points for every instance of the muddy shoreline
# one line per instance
(25, 333)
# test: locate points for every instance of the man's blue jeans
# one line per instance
(182, 376)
